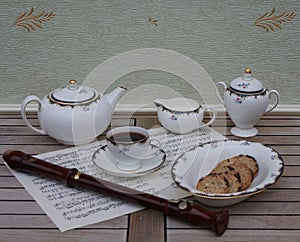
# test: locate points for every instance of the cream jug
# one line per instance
(246, 100)
(73, 114)
(182, 115)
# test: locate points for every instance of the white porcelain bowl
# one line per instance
(198, 162)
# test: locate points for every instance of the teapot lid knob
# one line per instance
(73, 85)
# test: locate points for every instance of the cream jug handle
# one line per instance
(25, 102)
(213, 117)
(276, 102)
(218, 93)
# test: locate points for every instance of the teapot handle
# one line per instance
(213, 117)
(218, 93)
(276, 102)
(25, 102)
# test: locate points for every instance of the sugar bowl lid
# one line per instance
(73, 94)
(247, 83)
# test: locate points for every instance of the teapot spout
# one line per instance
(114, 96)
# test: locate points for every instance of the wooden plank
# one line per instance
(42, 148)
(270, 195)
(16, 130)
(34, 139)
(291, 160)
(4, 171)
(147, 123)
(265, 131)
(275, 195)
(18, 194)
(153, 221)
(278, 130)
(223, 122)
(286, 149)
(38, 235)
(20, 207)
(288, 171)
(9, 182)
(248, 222)
(146, 225)
(278, 140)
(35, 122)
(46, 140)
(265, 222)
(33, 148)
(35, 221)
(196, 235)
(291, 171)
(17, 122)
(266, 208)
(287, 183)
(283, 182)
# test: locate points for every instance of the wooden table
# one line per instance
(273, 215)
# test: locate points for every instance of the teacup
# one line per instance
(130, 145)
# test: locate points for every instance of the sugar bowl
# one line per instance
(246, 100)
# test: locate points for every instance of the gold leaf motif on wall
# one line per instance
(271, 21)
(30, 21)
(153, 21)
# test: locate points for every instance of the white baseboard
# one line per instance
(283, 109)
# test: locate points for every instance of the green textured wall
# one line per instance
(73, 37)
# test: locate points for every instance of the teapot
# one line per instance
(73, 114)
(246, 100)
(182, 115)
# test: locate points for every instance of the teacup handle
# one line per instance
(213, 117)
(25, 102)
(156, 147)
(158, 144)
(277, 100)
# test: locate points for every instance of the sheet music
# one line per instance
(71, 208)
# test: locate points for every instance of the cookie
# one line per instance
(233, 181)
(231, 175)
(239, 169)
(247, 160)
(213, 183)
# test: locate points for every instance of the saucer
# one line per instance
(124, 155)
(103, 159)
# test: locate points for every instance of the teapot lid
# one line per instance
(247, 84)
(178, 104)
(73, 94)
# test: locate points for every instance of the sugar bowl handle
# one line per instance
(25, 102)
(276, 102)
(218, 93)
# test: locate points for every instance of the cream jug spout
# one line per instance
(114, 96)
(159, 102)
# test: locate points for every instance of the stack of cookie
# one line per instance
(231, 175)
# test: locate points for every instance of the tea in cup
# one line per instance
(129, 145)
